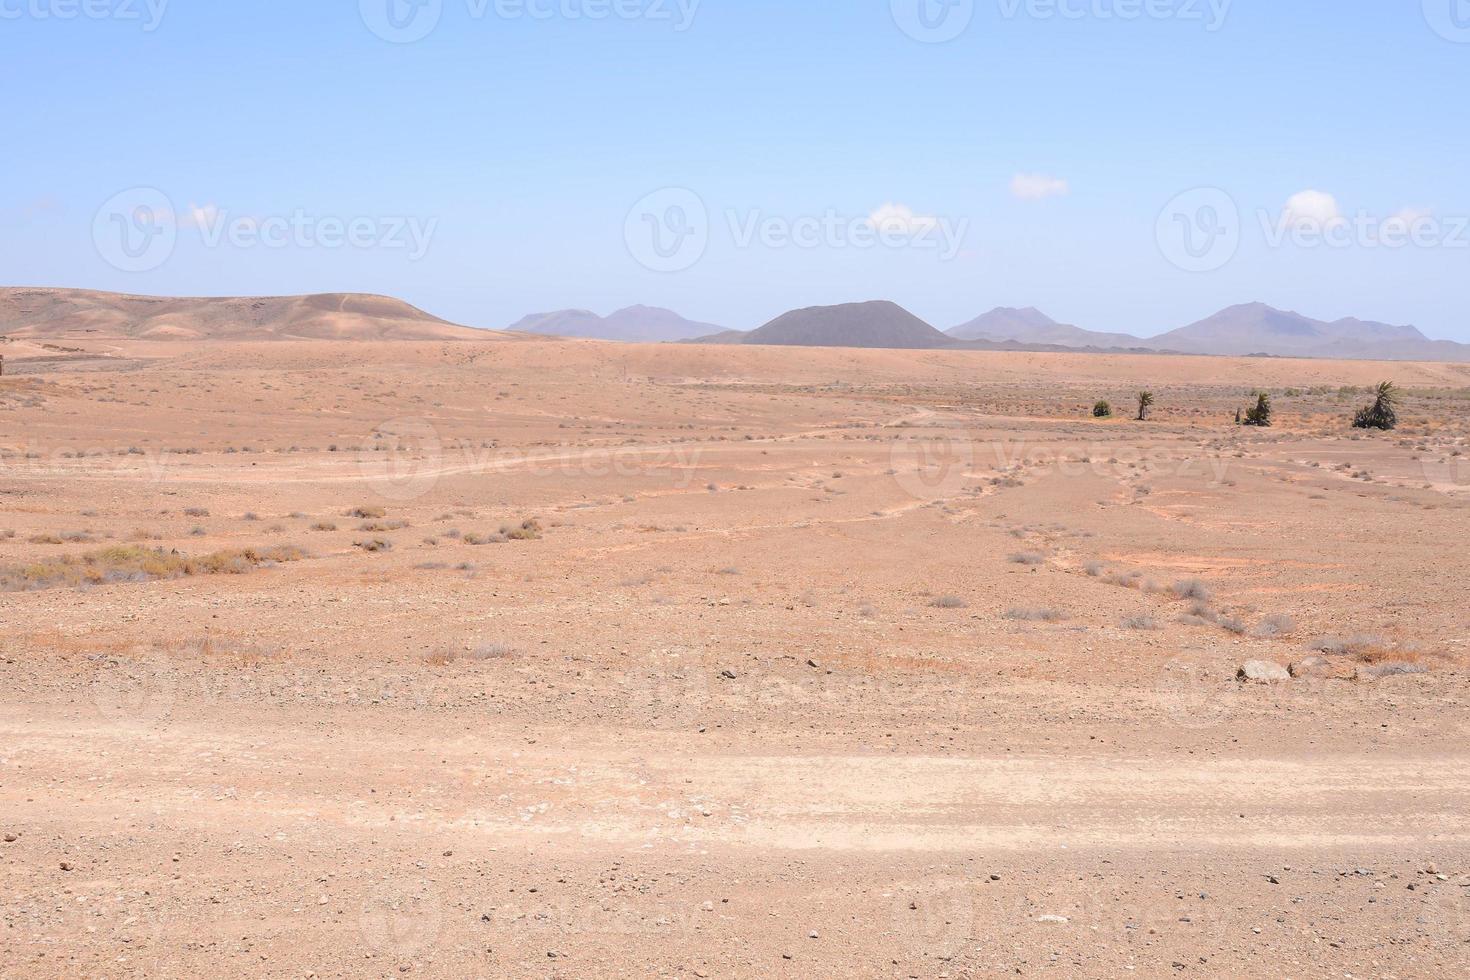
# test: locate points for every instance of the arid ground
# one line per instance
(530, 659)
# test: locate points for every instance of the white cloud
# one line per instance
(1036, 187)
(1406, 222)
(1409, 216)
(1313, 210)
(899, 219)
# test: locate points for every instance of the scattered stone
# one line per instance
(1262, 672)
(1373, 672)
(1311, 667)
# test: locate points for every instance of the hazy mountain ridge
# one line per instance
(1031, 326)
(46, 313)
(635, 324)
(1255, 328)
(41, 313)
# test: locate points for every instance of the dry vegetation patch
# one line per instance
(133, 563)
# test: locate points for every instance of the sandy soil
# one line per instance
(821, 664)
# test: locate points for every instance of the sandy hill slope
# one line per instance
(636, 324)
(1031, 326)
(42, 313)
(1255, 328)
(878, 324)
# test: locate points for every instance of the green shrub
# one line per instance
(1145, 402)
(1383, 413)
(1261, 414)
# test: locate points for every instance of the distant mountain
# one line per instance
(52, 313)
(876, 324)
(636, 324)
(723, 337)
(1255, 328)
(1031, 326)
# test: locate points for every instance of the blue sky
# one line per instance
(515, 147)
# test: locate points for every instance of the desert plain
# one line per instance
(520, 658)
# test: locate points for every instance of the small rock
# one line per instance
(1262, 672)
(1311, 667)
(10, 838)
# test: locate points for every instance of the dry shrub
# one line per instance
(1044, 615)
(529, 530)
(132, 563)
(367, 513)
(492, 651)
(1028, 558)
(1274, 626)
(1363, 646)
(949, 602)
(1192, 588)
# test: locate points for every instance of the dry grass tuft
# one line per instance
(133, 563)
(1192, 588)
(1042, 615)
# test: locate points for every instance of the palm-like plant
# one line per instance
(1383, 413)
(1145, 402)
(1261, 414)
